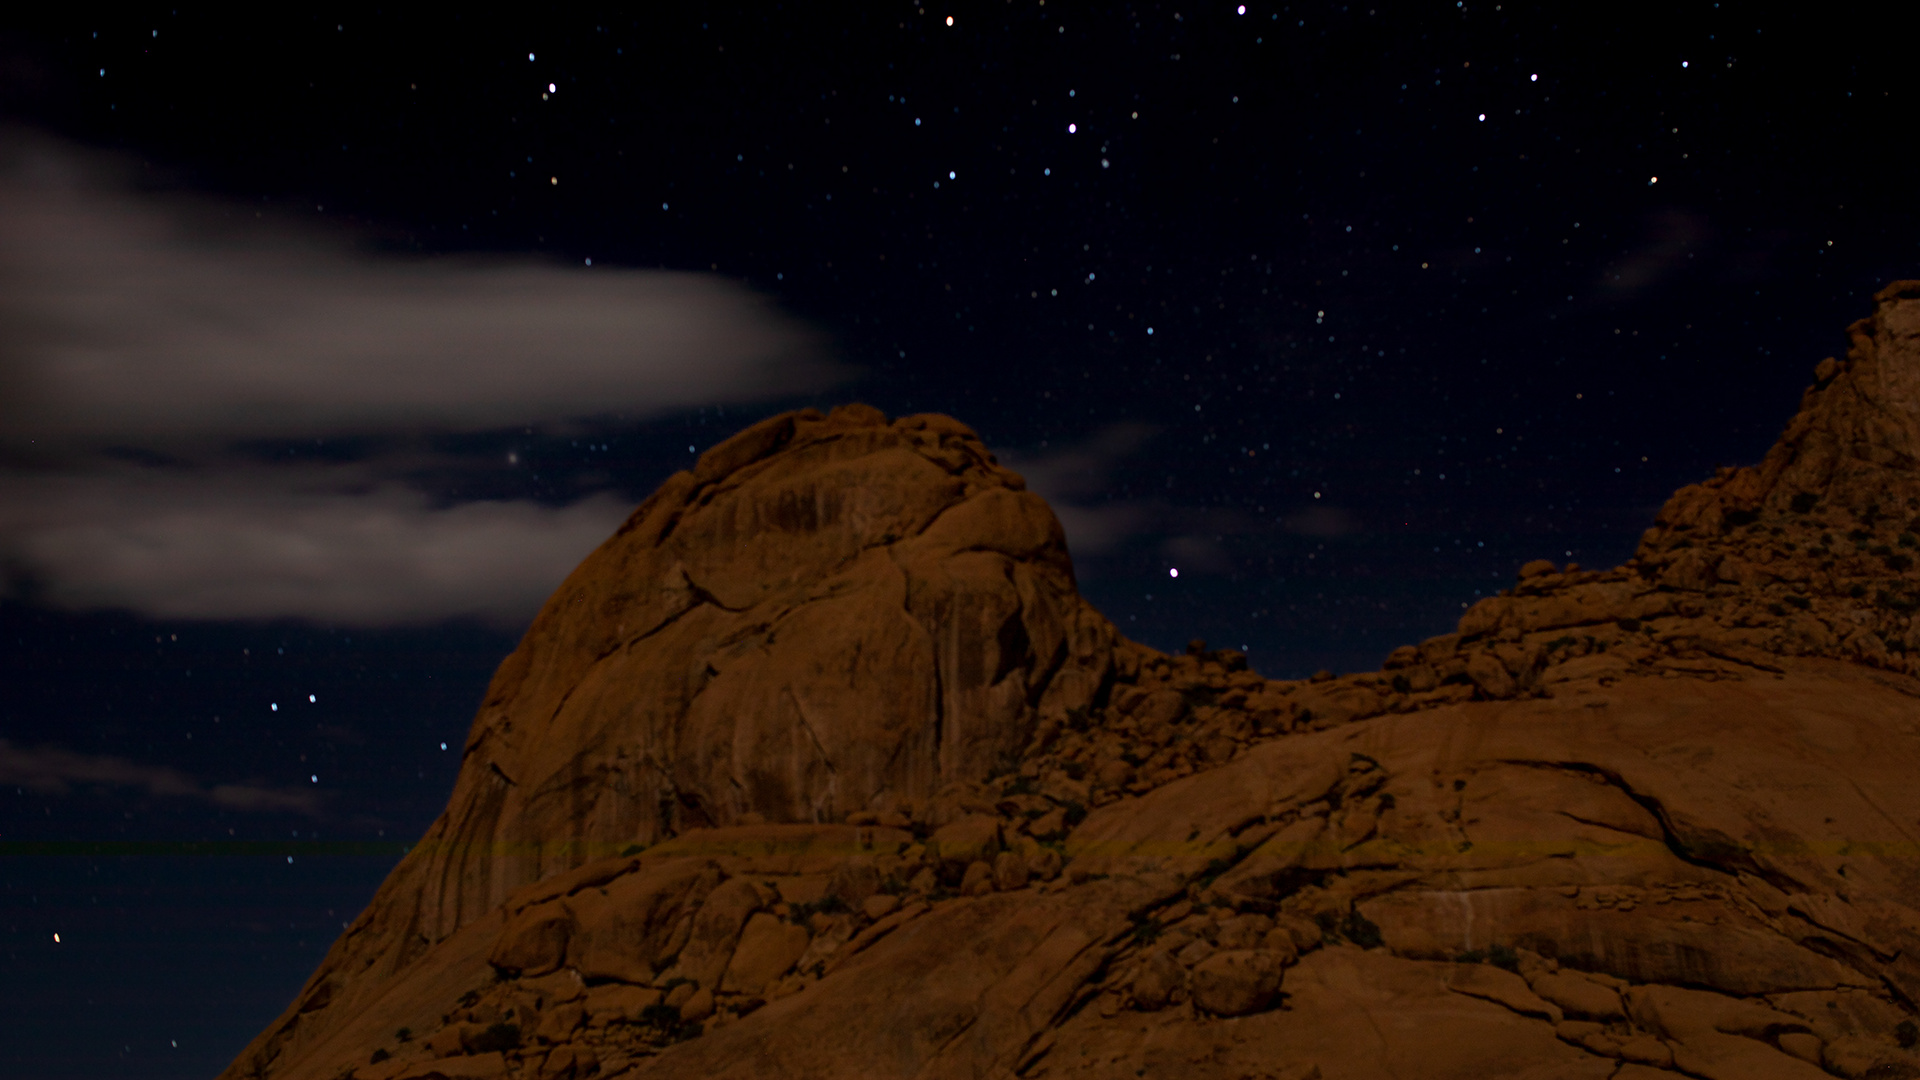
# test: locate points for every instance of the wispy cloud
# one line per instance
(1078, 480)
(1321, 521)
(51, 770)
(1075, 479)
(180, 327)
(266, 543)
(1670, 240)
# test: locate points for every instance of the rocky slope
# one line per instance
(820, 767)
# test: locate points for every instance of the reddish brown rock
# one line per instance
(697, 1007)
(620, 1003)
(1009, 871)
(978, 879)
(1237, 982)
(1158, 981)
(957, 845)
(821, 768)
(768, 948)
(1578, 996)
(1503, 988)
(716, 929)
(560, 1023)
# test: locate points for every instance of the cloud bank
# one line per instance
(130, 318)
(180, 327)
(50, 770)
(255, 545)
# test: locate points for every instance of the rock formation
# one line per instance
(820, 767)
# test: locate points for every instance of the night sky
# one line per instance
(330, 341)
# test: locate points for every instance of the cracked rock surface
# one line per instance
(820, 767)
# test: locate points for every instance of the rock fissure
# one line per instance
(1731, 859)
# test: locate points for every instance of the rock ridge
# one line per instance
(821, 767)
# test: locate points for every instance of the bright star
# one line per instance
(1175, 572)
(1071, 128)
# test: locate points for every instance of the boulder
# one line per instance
(716, 929)
(767, 950)
(535, 942)
(1237, 982)
(618, 1002)
(559, 1023)
(954, 846)
(854, 882)
(1009, 871)
(1158, 980)
(1044, 864)
(698, 1006)
(978, 879)
(625, 931)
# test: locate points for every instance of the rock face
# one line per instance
(821, 768)
(826, 614)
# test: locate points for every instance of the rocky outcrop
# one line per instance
(793, 779)
(826, 614)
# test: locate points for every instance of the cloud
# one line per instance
(177, 329)
(1095, 530)
(54, 771)
(1670, 240)
(1191, 553)
(128, 318)
(263, 544)
(1071, 477)
(1321, 521)
(1076, 481)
